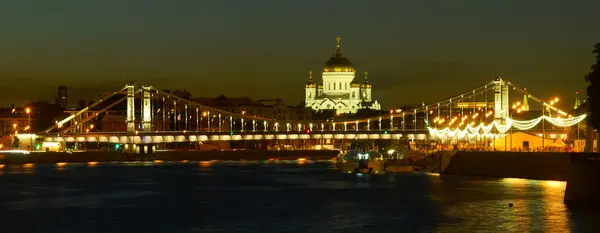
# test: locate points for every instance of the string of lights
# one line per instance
(501, 128)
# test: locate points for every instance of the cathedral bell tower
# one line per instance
(311, 90)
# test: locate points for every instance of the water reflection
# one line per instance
(312, 197)
(509, 204)
(206, 164)
(61, 166)
(554, 212)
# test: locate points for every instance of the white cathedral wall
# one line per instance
(310, 94)
(344, 79)
(368, 96)
(337, 82)
(355, 93)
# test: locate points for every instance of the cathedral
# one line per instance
(341, 89)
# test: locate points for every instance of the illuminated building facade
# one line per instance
(340, 90)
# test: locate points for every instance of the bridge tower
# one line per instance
(500, 99)
(146, 109)
(130, 108)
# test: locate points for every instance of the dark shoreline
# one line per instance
(105, 156)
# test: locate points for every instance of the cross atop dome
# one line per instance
(337, 62)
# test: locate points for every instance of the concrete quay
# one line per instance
(581, 171)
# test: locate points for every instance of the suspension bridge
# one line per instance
(475, 116)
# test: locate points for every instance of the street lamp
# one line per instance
(28, 128)
(518, 108)
(552, 102)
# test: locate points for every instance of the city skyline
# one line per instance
(210, 49)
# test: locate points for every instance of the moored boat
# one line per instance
(361, 162)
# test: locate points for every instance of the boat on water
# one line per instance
(361, 162)
(361, 158)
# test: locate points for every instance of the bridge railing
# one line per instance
(245, 132)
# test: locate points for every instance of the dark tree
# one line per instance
(593, 90)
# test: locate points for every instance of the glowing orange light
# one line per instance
(158, 161)
(205, 163)
(92, 163)
(61, 164)
(28, 165)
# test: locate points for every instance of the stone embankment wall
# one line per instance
(583, 183)
(528, 165)
(101, 156)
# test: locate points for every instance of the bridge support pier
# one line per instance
(583, 181)
(146, 109)
(500, 99)
(130, 108)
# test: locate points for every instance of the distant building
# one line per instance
(62, 97)
(44, 115)
(184, 94)
(12, 119)
(113, 122)
(265, 108)
(340, 89)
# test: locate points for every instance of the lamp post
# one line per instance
(516, 107)
(28, 111)
(552, 102)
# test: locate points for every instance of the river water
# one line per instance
(273, 197)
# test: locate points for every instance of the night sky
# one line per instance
(414, 50)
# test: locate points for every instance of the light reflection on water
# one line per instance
(537, 206)
(285, 196)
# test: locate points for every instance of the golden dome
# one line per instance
(337, 62)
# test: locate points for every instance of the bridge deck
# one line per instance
(165, 137)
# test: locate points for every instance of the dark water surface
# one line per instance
(273, 197)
